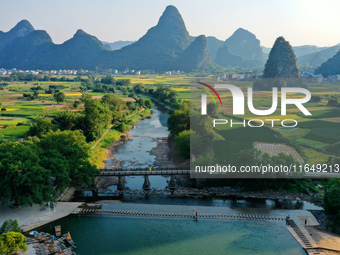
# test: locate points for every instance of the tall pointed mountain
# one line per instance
(242, 49)
(245, 44)
(330, 67)
(160, 46)
(21, 29)
(196, 56)
(281, 62)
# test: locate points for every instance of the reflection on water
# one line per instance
(229, 203)
(136, 182)
(126, 236)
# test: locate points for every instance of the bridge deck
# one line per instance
(178, 171)
(145, 172)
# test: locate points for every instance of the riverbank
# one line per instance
(32, 217)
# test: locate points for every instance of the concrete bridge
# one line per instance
(145, 171)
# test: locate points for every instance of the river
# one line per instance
(105, 235)
(135, 152)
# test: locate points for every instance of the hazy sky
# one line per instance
(301, 22)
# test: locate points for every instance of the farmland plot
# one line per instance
(274, 149)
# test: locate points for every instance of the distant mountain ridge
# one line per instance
(317, 58)
(160, 49)
(117, 45)
(163, 47)
(311, 55)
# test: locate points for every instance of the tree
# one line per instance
(211, 109)
(148, 103)
(10, 226)
(59, 97)
(22, 178)
(316, 99)
(182, 143)
(179, 120)
(11, 242)
(98, 116)
(76, 104)
(332, 197)
(332, 102)
(40, 126)
(116, 104)
(84, 98)
(165, 94)
(67, 120)
(33, 172)
(110, 80)
(65, 154)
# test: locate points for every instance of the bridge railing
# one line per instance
(143, 169)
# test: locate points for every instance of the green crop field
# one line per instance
(334, 149)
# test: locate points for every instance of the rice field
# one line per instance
(274, 149)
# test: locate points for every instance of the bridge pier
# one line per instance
(147, 183)
(121, 182)
(172, 184)
(95, 193)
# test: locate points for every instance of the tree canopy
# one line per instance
(59, 97)
(11, 242)
(32, 171)
(10, 226)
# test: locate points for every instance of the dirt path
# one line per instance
(94, 146)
